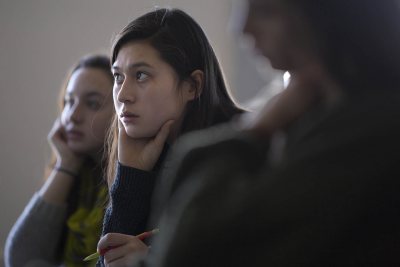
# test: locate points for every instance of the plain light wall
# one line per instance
(40, 40)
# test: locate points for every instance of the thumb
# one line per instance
(55, 128)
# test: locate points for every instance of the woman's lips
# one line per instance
(74, 135)
(127, 117)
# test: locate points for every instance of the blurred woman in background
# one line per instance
(62, 222)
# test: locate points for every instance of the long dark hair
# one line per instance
(359, 40)
(182, 44)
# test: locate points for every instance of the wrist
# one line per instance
(71, 165)
(135, 165)
(67, 171)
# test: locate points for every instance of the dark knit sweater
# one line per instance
(130, 200)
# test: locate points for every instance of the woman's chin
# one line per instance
(80, 151)
(135, 134)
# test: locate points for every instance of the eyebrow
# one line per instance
(134, 65)
(89, 94)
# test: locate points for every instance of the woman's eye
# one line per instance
(141, 76)
(118, 78)
(95, 105)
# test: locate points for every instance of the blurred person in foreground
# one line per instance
(313, 179)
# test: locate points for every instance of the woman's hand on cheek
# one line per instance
(141, 153)
(127, 249)
(66, 158)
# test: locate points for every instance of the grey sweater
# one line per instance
(34, 239)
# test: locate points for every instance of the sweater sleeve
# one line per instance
(129, 207)
(36, 234)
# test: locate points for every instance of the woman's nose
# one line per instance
(127, 92)
(76, 114)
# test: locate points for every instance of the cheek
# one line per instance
(167, 107)
(158, 113)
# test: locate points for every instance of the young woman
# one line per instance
(314, 181)
(167, 82)
(62, 222)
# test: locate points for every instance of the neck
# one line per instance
(175, 130)
(97, 157)
(173, 134)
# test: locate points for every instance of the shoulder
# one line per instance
(221, 139)
(218, 150)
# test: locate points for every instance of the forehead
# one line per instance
(86, 80)
(138, 51)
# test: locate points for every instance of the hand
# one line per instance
(66, 158)
(303, 91)
(127, 249)
(58, 185)
(141, 153)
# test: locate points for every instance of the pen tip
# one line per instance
(92, 257)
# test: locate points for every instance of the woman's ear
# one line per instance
(196, 85)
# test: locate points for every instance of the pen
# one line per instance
(142, 237)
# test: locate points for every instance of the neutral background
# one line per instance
(41, 39)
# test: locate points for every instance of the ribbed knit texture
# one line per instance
(130, 201)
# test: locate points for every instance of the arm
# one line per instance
(36, 234)
(214, 177)
(296, 214)
(131, 191)
(59, 184)
(200, 216)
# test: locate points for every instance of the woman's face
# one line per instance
(280, 33)
(88, 110)
(147, 91)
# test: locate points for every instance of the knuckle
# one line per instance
(107, 238)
